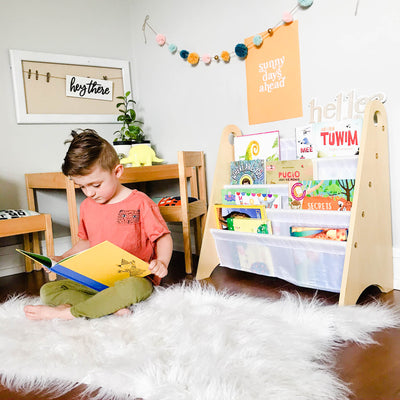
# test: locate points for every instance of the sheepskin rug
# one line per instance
(189, 342)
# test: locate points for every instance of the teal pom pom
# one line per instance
(257, 40)
(241, 50)
(305, 3)
(172, 48)
(184, 54)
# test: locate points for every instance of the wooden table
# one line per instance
(56, 180)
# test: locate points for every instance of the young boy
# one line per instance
(113, 212)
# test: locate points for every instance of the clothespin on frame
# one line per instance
(37, 75)
(29, 73)
(48, 77)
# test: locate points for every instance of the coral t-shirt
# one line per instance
(134, 224)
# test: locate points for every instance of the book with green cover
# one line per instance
(98, 267)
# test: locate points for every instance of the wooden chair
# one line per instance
(191, 167)
(26, 225)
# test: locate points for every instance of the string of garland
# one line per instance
(241, 50)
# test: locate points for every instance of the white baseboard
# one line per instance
(396, 268)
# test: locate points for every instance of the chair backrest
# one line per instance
(191, 165)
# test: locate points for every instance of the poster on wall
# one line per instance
(273, 76)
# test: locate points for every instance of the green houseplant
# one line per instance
(130, 130)
(130, 133)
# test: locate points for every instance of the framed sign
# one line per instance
(57, 88)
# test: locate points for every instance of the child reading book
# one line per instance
(113, 212)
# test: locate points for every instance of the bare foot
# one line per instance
(122, 312)
(48, 312)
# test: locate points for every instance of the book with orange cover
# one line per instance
(98, 267)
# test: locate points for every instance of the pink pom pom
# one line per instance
(161, 39)
(206, 58)
(287, 18)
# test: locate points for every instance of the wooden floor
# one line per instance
(373, 372)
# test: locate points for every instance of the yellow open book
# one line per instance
(98, 267)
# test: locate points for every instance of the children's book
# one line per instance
(335, 195)
(277, 172)
(250, 196)
(329, 139)
(98, 267)
(338, 234)
(253, 225)
(222, 212)
(305, 143)
(263, 146)
(250, 172)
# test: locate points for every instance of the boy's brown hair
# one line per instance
(86, 150)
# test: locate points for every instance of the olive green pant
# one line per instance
(89, 303)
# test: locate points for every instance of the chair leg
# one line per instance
(36, 249)
(48, 234)
(187, 246)
(27, 247)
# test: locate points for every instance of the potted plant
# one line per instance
(130, 133)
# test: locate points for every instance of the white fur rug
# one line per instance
(189, 343)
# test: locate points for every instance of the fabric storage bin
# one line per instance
(335, 168)
(312, 263)
(282, 220)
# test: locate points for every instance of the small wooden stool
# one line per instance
(23, 223)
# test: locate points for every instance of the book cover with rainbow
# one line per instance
(98, 267)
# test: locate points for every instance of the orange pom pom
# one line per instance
(193, 58)
(225, 56)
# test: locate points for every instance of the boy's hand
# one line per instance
(158, 268)
(56, 258)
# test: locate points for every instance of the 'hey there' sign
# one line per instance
(88, 88)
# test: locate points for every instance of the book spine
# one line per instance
(74, 276)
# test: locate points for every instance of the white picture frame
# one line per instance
(24, 117)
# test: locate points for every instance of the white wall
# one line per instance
(97, 28)
(185, 107)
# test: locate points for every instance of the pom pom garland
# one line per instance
(206, 58)
(193, 58)
(241, 50)
(305, 3)
(161, 39)
(184, 54)
(287, 17)
(257, 40)
(225, 56)
(172, 48)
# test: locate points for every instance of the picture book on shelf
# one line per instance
(253, 225)
(249, 172)
(222, 212)
(288, 170)
(250, 196)
(334, 195)
(263, 146)
(338, 234)
(329, 139)
(98, 267)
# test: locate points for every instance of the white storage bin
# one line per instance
(335, 168)
(282, 220)
(312, 263)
